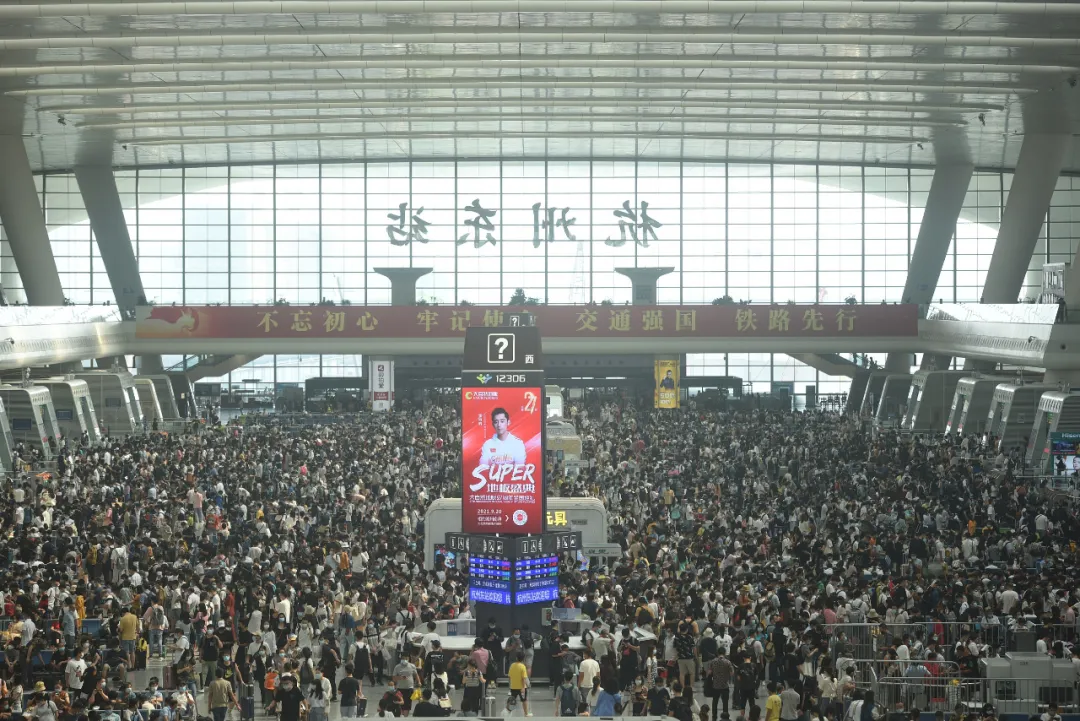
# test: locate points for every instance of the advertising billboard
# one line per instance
(666, 392)
(502, 460)
(381, 384)
(1065, 453)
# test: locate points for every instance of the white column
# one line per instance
(1037, 170)
(24, 222)
(943, 206)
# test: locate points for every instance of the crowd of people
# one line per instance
(279, 568)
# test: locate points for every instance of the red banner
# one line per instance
(502, 461)
(558, 321)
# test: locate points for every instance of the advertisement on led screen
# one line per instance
(502, 460)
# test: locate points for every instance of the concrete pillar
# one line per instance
(102, 200)
(1037, 170)
(403, 283)
(10, 280)
(943, 206)
(24, 222)
(643, 283)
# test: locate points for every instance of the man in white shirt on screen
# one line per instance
(502, 448)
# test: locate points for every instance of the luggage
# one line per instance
(168, 678)
(140, 660)
(247, 701)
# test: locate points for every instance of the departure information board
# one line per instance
(490, 580)
(536, 580)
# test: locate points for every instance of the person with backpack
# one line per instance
(746, 686)
(680, 706)
(158, 623)
(306, 673)
(659, 698)
(472, 684)
(568, 697)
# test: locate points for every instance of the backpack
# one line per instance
(746, 677)
(680, 708)
(307, 675)
(568, 703)
(770, 651)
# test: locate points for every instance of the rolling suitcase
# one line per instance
(247, 702)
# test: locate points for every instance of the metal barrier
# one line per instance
(1027, 696)
(870, 640)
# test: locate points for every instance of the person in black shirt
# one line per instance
(328, 663)
(349, 688)
(426, 708)
(288, 699)
(493, 641)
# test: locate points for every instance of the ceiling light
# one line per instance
(450, 35)
(457, 117)
(774, 137)
(727, 7)
(451, 60)
(673, 83)
(847, 105)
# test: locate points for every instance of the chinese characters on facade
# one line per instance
(548, 224)
(563, 320)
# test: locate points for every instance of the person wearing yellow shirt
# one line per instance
(129, 633)
(519, 683)
(772, 704)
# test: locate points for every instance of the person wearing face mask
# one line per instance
(288, 700)
(318, 697)
(154, 691)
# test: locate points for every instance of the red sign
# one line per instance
(554, 321)
(502, 461)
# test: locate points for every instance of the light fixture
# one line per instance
(531, 60)
(188, 121)
(848, 105)
(502, 83)
(470, 35)
(284, 138)
(728, 7)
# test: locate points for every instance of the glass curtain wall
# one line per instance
(554, 229)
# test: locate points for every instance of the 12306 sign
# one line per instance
(502, 461)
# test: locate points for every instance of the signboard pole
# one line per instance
(513, 567)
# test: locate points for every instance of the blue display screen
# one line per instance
(485, 595)
(536, 580)
(489, 580)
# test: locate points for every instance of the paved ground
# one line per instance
(541, 701)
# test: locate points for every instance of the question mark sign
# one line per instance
(502, 344)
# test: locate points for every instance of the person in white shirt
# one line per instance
(588, 669)
(1009, 599)
(29, 628)
(73, 673)
(502, 448)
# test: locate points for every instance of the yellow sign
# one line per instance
(666, 393)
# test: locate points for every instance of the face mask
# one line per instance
(227, 659)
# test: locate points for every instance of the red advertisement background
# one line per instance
(558, 321)
(477, 429)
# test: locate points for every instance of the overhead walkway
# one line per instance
(1020, 334)
(46, 335)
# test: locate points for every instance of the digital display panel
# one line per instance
(502, 460)
(536, 580)
(490, 580)
(1065, 453)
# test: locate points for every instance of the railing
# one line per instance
(1027, 696)
(870, 640)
